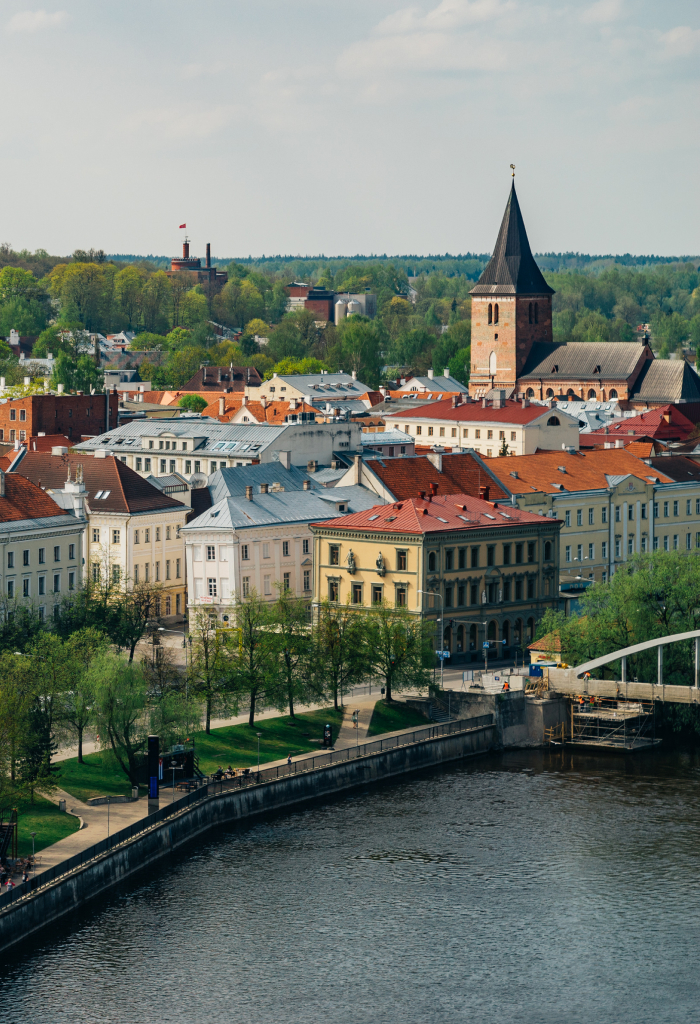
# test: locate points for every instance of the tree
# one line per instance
(194, 309)
(155, 302)
(128, 289)
(79, 374)
(291, 647)
(193, 403)
(146, 341)
(76, 704)
(36, 748)
(211, 666)
(289, 366)
(400, 648)
(130, 609)
(252, 661)
(340, 654)
(358, 349)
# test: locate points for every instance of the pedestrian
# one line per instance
(289, 759)
(25, 875)
(10, 884)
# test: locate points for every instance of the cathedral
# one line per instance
(512, 348)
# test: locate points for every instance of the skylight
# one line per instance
(505, 515)
(371, 518)
(101, 495)
(466, 520)
(488, 515)
(441, 519)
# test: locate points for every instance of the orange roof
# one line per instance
(463, 474)
(272, 412)
(666, 422)
(435, 514)
(474, 412)
(24, 500)
(47, 442)
(570, 471)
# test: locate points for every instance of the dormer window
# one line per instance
(597, 369)
(555, 368)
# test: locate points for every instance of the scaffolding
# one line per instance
(611, 723)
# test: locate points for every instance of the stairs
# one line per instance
(198, 774)
(438, 712)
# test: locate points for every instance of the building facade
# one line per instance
(72, 415)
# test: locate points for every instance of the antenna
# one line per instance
(512, 167)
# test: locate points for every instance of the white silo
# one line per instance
(354, 307)
(341, 311)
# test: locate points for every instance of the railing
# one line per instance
(213, 789)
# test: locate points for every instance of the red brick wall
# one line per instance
(72, 415)
(511, 338)
(321, 307)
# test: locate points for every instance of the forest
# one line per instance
(423, 312)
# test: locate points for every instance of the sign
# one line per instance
(443, 654)
(486, 644)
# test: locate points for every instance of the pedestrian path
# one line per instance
(349, 735)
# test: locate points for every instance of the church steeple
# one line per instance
(512, 269)
(511, 308)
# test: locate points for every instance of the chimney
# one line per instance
(483, 403)
(619, 443)
(402, 381)
(354, 374)
(446, 372)
(422, 494)
(433, 489)
(208, 255)
(311, 466)
(57, 450)
(185, 250)
(526, 403)
(263, 488)
(455, 401)
(285, 459)
(204, 375)
(249, 492)
(430, 374)
(220, 376)
(222, 406)
(436, 458)
(2, 483)
(357, 460)
(499, 400)
(307, 485)
(484, 493)
(244, 400)
(263, 401)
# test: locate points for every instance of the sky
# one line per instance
(368, 126)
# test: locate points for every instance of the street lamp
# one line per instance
(175, 767)
(442, 635)
(259, 734)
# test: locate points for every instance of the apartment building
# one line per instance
(490, 569)
(259, 540)
(42, 547)
(133, 529)
(72, 415)
(489, 426)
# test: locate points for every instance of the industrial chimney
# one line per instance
(208, 255)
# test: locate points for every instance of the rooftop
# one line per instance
(23, 500)
(552, 472)
(474, 412)
(512, 268)
(236, 513)
(667, 380)
(665, 423)
(583, 360)
(464, 474)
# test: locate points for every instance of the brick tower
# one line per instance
(511, 308)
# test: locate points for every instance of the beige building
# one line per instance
(134, 529)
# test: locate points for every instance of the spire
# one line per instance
(512, 269)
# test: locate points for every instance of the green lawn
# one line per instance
(390, 717)
(44, 818)
(236, 745)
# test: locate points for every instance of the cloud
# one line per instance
(603, 12)
(34, 21)
(680, 41)
(447, 16)
(180, 123)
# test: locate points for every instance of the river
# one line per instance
(522, 887)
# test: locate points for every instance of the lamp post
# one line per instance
(175, 767)
(33, 834)
(442, 634)
(258, 734)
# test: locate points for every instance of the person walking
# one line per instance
(289, 759)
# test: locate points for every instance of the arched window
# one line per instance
(613, 393)
(547, 550)
(505, 630)
(529, 313)
(432, 562)
(472, 638)
(571, 395)
(591, 393)
(530, 629)
(553, 421)
(493, 630)
(517, 631)
(550, 393)
(495, 313)
(530, 393)
(537, 316)
(460, 639)
(492, 364)
(490, 313)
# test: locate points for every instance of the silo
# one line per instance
(354, 307)
(341, 311)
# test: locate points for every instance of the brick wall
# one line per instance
(72, 415)
(510, 339)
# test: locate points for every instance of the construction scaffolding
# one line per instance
(615, 724)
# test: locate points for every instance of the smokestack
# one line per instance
(222, 406)
(263, 488)
(185, 250)
(249, 492)
(208, 255)
(307, 485)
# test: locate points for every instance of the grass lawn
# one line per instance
(237, 745)
(390, 717)
(44, 818)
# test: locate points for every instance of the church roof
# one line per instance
(512, 269)
(583, 360)
(667, 380)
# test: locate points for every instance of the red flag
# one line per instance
(183, 225)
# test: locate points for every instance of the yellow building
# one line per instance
(491, 567)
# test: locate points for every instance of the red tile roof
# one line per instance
(439, 515)
(48, 441)
(474, 412)
(461, 474)
(24, 500)
(128, 492)
(273, 412)
(524, 474)
(664, 423)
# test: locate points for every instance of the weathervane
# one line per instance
(512, 167)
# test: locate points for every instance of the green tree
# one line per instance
(285, 367)
(252, 659)
(400, 648)
(340, 650)
(193, 403)
(211, 667)
(36, 748)
(291, 649)
(194, 309)
(359, 349)
(146, 341)
(156, 299)
(128, 289)
(76, 701)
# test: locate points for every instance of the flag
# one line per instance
(183, 225)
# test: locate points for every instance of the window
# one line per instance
(333, 590)
(518, 554)
(172, 465)
(400, 597)
(188, 466)
(449, 559)
(531, 587)
(675, 508)
(518, 590)
(489, 435)
(630, 512)
(495, 313)
(506, 554)
(25, 557)
(197, 466)
(644, 544)
(147, 538)
(687, 507)
(10, 559)
(477, 433)
(95, 572)
(13, 435)
(666, 543)
(376, 593)
(136, 574)
(644, 510)
(285, 549)
(531, 551)
(211, 553)
(286, 580)
(687, 542)
(157, 572)
(42, 585)
(267, 589)
(150, 444)
(567, 518)
(146, 572)
(465, 433)
(656, 544)
(430, 431)
(462, 558)
(163, 465)
(665, 510)
(307, 579)
(630, 546)
(461, 591)
(432, 561)
(617, 513)
(138, 465)
(490, 555)
(675, 542)
(604, 514)
(453, 433)
(13, 414)
(490, 313)
(529, 313)
(579, 552)
(136, 535)
(579, 517)
(547, 550)
(246, 586)
(604, 549)
(590, 550)
(334, 554)
(115, 575)
(591, 516)
(57, 580)
(617, 548)
(473, 594)
(167, 568)
(401, 560)
(244, 552)
(506, 590)
(71, 552)
(475, 558)
(697, 506)
(115, 536)
(501, 435)
(157, 532)
(656, 510)
(25, 588)
(448, 597)
(71, 581)
(10, 588)
(57, 554)
(568, 553)
(419, 430)
(23, 415)
(305, 546)
(177, 568)
(211, 586)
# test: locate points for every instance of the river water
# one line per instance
(523, 887)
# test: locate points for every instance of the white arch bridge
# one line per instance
(575, 680)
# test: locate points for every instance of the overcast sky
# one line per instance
(363, 126)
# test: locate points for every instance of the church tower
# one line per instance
(511, 308)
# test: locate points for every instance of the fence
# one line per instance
(213, 789)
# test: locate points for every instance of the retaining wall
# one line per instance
(45, 905)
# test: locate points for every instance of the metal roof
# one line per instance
(210, 433)
(582, 360)
(667, 380)
(368, 440)
(320, 384)
(235, 513)
(440, 383)
(512, 269)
